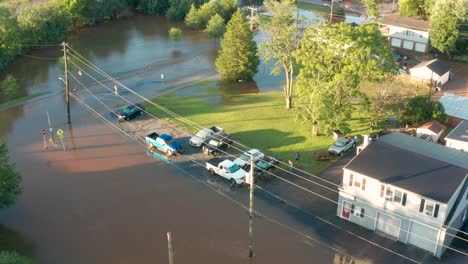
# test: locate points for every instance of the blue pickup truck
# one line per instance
(163, 143)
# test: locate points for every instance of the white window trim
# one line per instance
(392, 198)
(433, 207)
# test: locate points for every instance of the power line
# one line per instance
(262, 216)
(267, 172)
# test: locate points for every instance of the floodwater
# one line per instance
(103, 200)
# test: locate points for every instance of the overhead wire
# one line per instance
(193, 124)
(262, 216)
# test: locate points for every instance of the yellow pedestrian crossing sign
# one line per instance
(60, 133)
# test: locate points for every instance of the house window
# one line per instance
(397, 196)
(357, 183)
(429, 208)
(350, 179)
(382, 190)
(389, 194)
(363, 184)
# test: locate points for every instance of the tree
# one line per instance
(372, 7)
(216, 27)
(193, 18)
(178, 9)
(154, 7)
(335, 60)
(225, 8)
(10, 37)
(445, 23)
(282, 42)
(383, 103)
(11, 257)
(8, 87)
(9, 179)
(175, 34)
(238, 58)
(416, 7)
(420, 109)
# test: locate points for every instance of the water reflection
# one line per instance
(7, 119)
(10, 240)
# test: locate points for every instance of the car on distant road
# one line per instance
(204, 135)
(163, 143)
(341, 145)
(216, 144)
(244, 158)
(130, 112)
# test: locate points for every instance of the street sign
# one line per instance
(44, 132)
(60, 133)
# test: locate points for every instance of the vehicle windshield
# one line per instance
(340, 143)
(234, 168)
(170, 141)
(262, 164)
(128, 110)
(201, 134)
(214, 142)
(244, 157)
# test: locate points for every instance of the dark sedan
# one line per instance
(130, 112)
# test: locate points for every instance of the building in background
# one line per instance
(406, 32)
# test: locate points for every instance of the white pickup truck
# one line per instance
(226, 169)
(204, 135)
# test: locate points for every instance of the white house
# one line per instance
(433, 71)
(411, 190)
(458, 137)
(406, 32)
(430, 131)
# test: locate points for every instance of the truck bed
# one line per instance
(214, 161)
(217, 129)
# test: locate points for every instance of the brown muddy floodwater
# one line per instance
(104, 200)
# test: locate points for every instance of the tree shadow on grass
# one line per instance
(266, 139)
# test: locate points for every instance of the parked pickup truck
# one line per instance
(204, 135)
(163, 143)
(226, 169)
(216, 145)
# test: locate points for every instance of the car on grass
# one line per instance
(226, 169)
(217, 144)
(204, 135)
(164, 143)
(244, 158)
(130, 112)
(341, 145)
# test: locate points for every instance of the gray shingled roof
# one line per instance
(460, 132)
(454, 105)
(431, 150)
(434, 65)
(400, 160)
(405, 22)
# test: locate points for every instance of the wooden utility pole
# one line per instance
(252, 17)
(331, 12)
(169, 248)
(67, 91)
(251, 206)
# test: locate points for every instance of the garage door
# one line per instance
(396, 42)
(423, 236)
(388, 224)
(408, 44)
(420, 47)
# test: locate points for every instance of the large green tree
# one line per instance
(238, 58)
(334, 60)
(283, 40)
(10, 37)
(215, 27)
(372, 7)
(154, 7)
(178, 9)
(420, 109)
(416, 7)
(448, 18)
(9, 179)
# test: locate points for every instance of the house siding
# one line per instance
(406, 38)
(408, 215)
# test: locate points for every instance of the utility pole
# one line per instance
(331, 12)
(169, 248)
(252, 17)
(251, 206)
(67, 91)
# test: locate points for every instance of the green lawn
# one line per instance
(19, 100)
(257, 120)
